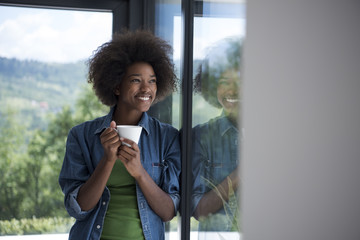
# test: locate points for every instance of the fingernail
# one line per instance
(126, 144)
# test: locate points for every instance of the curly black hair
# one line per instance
(109, 62)
(224, 55)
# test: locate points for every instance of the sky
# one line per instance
(52, 35)
(68, 36)
(207, 32)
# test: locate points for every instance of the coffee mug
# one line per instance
(130, 132)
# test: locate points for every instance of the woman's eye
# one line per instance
(135, 80)
(152, 81)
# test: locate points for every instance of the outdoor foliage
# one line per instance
(12, 167)
(35, 226)
(39, 103)
(31, 162)
(32, 147)
(35, 88)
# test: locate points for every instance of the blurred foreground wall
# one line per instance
(301, 154)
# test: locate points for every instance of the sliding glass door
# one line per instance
(39, 91)
(212, 199)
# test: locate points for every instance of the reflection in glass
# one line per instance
(219, 30)
(215, 158)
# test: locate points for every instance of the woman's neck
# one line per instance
(234, 119)
(124, 117)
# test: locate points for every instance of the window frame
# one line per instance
(126, 15)
(123, 10)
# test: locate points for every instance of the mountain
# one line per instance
(33, 89)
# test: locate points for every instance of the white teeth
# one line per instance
(232, 100)
(144, 98)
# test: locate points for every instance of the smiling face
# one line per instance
(137, 89)
(228, 92)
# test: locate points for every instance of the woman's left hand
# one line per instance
(130, 157)
(159, 201)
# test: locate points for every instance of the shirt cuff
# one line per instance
(195, 202)
(73, 206)
(176, 200)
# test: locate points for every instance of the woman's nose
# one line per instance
(144, 86)
(232, 87)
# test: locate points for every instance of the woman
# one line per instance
(112, 190)
(215, 151)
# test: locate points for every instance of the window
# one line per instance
(218, 28)
(219, 31)
(43, 93)
(212, 23)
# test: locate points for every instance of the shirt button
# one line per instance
(104, 203)
(98, 226)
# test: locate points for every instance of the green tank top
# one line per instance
(122, 219)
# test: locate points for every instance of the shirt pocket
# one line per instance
(157, 171)
(214, 173)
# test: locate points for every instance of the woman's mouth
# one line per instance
(231, 100)
(144, 98)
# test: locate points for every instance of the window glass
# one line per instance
(43, 93)
(166, 13)
(219, 31)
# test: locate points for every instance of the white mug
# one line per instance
(130, 132)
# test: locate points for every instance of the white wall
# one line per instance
(301, 154)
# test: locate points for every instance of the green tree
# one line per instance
(46, 152)
(30, 162)
(88, 106)
(12, 167)
(44, 195)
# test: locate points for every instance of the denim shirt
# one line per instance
(215, 156)
(160, 156)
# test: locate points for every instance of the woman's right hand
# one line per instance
(90, 192)
(111, 142)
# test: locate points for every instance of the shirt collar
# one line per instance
(106, 122)
(225, 125)
(144, 122)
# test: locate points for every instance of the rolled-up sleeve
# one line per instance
(172, 170)
(198, 160)
(73, 175)
(73, 206)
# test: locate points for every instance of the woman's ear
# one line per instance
(117, 90)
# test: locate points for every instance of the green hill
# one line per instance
(34, 89)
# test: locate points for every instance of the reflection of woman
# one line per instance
(112, 190)
(215, 157)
